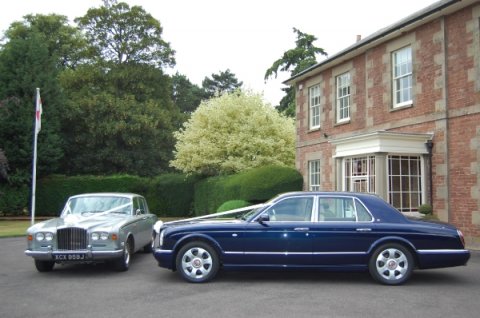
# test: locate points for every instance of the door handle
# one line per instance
(301, 229)
(364, 229)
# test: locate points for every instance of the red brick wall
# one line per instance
(455, 161)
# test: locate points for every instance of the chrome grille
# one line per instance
(72, 238)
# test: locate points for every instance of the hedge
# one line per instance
(171, 195)
(255, 186)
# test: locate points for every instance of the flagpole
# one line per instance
(35, 138)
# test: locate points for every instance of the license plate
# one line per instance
(69, 257)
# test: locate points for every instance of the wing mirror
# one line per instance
(264, 217)
(138, 212)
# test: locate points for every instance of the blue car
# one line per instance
(306, 231)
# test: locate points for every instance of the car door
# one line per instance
(284, 239)
(144, 221)
(343, 232)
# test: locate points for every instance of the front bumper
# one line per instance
(89, 255)
(164, 258)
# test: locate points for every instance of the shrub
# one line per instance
(233, 204)
(425, 209)
(255, 186)
(14, 200)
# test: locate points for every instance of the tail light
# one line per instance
(462, 239)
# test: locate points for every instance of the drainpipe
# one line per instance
(429, 145)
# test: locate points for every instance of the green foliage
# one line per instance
(295, 61)
(232, 133)
(118, 128)
(65, 43)
(171, 195)
(53, 191)
(3, 166)
(25, 64)
(255, 185)
(233, 204)
(219, 84)
(14, 200)
(122, 34)
(425, 209)
(185, 95)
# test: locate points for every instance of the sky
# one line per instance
(245, 36)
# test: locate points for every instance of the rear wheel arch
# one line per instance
(395, 240)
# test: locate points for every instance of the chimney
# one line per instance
(359, 37)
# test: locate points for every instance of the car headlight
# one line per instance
(48, 236)
(99, 236)
(39, 236)
(162, 234)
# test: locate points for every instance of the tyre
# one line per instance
(391, 264)
(197, 262)
(123, 263)
(44, 266)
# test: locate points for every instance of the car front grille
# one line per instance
(72, 238)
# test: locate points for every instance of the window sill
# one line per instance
(401, 106)
(343, 122)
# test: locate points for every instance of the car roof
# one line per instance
(106, 194)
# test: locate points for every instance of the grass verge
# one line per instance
(13, 228)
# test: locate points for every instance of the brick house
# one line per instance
(398, 114)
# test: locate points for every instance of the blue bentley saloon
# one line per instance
(310, 230)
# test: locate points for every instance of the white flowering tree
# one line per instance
(234, 132)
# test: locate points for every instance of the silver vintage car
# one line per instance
(94, 227)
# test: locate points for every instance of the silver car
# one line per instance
(94, 227)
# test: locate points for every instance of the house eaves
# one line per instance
(430, 13)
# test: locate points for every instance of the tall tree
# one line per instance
(295, 61)
(26, 63)
(186, 95)
(65, 43)
(121, 117)
(234, 132)
(122, 35)
(224, 82)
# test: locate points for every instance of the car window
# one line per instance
(362, 213)
(336, 209)
(292, 209)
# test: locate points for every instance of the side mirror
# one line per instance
(138, 212)
(264, 217)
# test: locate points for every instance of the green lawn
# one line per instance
(13, 228)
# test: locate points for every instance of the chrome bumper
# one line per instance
(89, 255)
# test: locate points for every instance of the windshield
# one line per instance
(98, 204)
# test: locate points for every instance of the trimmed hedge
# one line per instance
(233, 204)
(171, 195)
(167, 195)
(14, 200)
(255, 186)
(53, 191)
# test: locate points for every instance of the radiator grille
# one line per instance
(72, 238)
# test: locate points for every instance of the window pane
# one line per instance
(293, 209)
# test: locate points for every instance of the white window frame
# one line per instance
(404, 191)
(314, 175)
(343, 84)
(314, 106)
(359, 171)
(402, 77)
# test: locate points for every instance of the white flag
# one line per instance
(38, 113)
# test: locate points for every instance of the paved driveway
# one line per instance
(149, 291)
